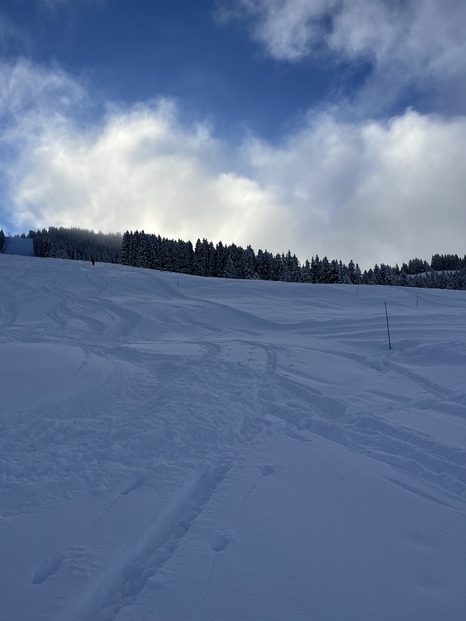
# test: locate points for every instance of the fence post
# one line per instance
(388, 327)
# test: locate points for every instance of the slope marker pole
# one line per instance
(388, 327)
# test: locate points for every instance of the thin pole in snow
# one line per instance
(388, 327)
(417, 298)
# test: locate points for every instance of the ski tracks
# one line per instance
(145, 554)
(436, 389)
(306, 407)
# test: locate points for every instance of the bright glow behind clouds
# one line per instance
(140, 170)
(332, 188)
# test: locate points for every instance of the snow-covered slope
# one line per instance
(182, 449)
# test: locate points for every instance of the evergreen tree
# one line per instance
(325, 272)
(315, 269)
(334, 272)
(185, 257)
(200, 258)
(221, 255)
(134, 249)
(446, 262)
(294, 268)
(344, 274)
(236, 253)
(125, 248)
(306, 275)
(248, 267)
(156, 248)
(264, 265)
(211, 259)
(144, 251)
(354, 273)
(230, 270)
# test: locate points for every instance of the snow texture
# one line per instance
(180, 448)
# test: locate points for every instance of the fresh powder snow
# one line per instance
(176, 448)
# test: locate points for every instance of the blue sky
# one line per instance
(330, 127)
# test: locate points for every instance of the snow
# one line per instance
(180, 448)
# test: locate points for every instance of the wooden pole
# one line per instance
(388, 327)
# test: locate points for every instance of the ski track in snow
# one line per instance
(411, 451)
(147, 552)
(203, 372)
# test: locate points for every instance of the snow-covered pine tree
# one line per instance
(125, 248)
(186, 257)
(315, 269)
(306, 275)
(230, 270)
(144, 258)
(220, 259)
(248, 267)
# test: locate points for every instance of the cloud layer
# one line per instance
(374, 192)
(141, 170)
(371, 190)
(411, 43)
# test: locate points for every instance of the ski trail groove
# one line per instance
(411, 451)
(120, 584)
(427, 384)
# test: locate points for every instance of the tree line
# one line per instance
(77, 244)
(140, 249)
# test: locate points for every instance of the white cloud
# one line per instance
(32, 94)
(140, 168)
(287, 28)
(418, 43)
(369, 191)
(423, 31)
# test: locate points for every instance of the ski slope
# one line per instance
(174, 448)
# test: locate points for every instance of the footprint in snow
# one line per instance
(47, 568)
(267, 470)
(219, 543)
(131, 483)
